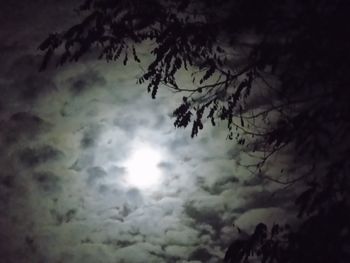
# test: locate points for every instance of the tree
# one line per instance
(294, 53)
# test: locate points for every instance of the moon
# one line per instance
(142, 167)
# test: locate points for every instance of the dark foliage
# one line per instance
(293, 53)
(322, 237)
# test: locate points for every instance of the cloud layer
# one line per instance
(64, 135)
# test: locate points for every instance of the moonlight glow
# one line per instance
(142, 167)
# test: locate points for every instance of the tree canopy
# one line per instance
(276, 72)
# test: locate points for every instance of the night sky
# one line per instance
(72, 141)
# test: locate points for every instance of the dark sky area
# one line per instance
(72, 137)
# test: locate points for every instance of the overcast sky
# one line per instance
(67, 136)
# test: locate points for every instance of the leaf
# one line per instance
(45, 44)
(154, 91)
(135, 55)
(182, 114)
(260, 232)
(236, 251)
(125, 61)
(46, 59)
(242, 122)
(208, 74)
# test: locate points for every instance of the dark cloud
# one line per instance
(233, 153)
(8, 181)
(48, 181)
(8, 185)
(29, 241)
(119, 243)
(90, 136)
(103, 189)
(8, 49)
(167, 166)
(29, 84)
(85, 81)
(254, 181)
(22, 125)
(178, 142)
(83, 161)
(134, 197)
(95, 175)
(130, 123)
(62, 217)
(201, 254)
(220, 185)
(24, 65)
(116, 171)
(33, 87)
(125, 211)
(26, 119)
(31, 157)
(277, 198)
(204, 216)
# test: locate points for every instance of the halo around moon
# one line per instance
(142, 167)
